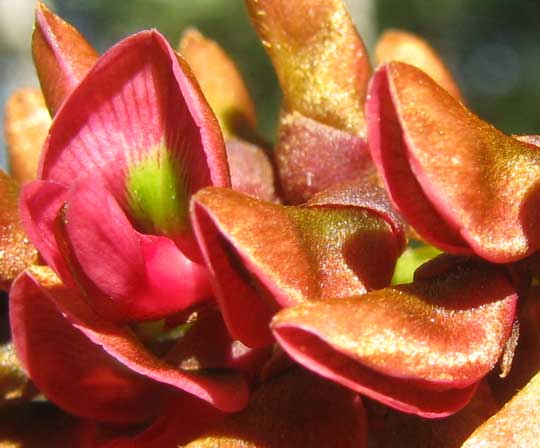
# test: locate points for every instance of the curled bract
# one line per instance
(26, 126)
(516, 424)
(421, 348)
(464, 186)
(62, 56)
(323, 71)
(264, 256)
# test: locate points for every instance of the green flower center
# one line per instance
(157, 194)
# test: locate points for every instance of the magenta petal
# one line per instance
(139, 124)
(137, 96)
(68, 368)
(224, 389)
(135, 276)
(176, 282)
(39, 204)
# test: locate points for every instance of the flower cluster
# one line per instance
(174, 282)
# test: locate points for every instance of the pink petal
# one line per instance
(223, 389)
(39, 204)
(67, 367)
(127, 276)
(139, 101)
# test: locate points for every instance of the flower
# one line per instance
(121, 153)
(190, 304)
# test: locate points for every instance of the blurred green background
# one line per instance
(491, 46)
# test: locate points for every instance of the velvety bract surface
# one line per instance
(416, 347)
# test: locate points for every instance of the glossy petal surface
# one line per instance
(26, 124)
(39, 206)
(317, 253)
(319, 59)
(222, 85)
(517, 424)
(148, 135)
(399, 45)
(61, 54)
(312, 156)
(459, 182)
(16, 252)
(420, 348)
(141, 277)
(224, 389)
(293, 410)
(65, 365)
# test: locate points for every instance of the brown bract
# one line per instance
(14, 383)
(296, 409)
(418, 347)
(16, 251)
(251, 170)
(398, 45)
(463, 185)
(312, 156)
(27, 123)
(516, 425)
(319, 58)
(265, 256)
(220, 82)
(525, 362)
(61, 54)
(392, 429)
